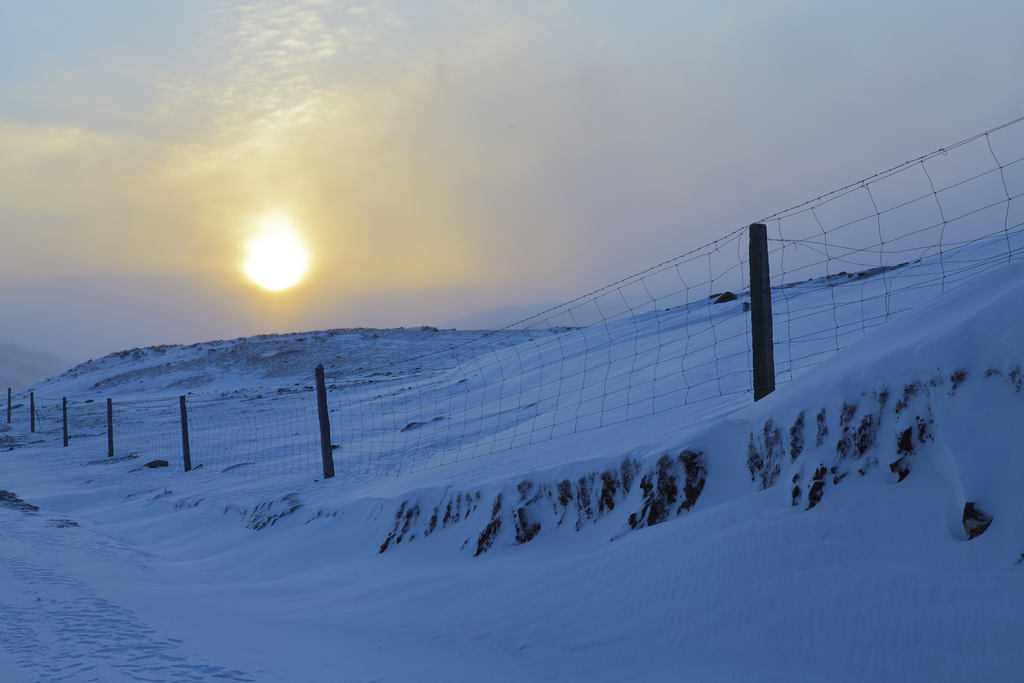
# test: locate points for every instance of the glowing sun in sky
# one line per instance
(276, 257)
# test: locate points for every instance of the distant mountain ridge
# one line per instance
(20, 369)
(496, 318)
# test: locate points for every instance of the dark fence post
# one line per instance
(8, 405)
(32, 411)
(326, 452)
(64, 415)
(110, 429)
(186, 452)
(761, 313)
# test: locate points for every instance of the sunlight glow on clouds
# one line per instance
(446, 157)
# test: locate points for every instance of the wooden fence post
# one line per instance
(186, 452)
(761, 313)
(110, 429)
(32, 411)
(64, 414)
(326, 451)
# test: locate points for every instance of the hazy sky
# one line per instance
(438, 157)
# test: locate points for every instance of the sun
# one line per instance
(276, 257)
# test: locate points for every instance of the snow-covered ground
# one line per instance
(531, 535)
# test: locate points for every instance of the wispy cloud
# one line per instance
(459, 153)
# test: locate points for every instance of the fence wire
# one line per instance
(256, 435)
(674, 335)
(883, 246)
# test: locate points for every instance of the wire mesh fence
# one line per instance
(674, 335)
(48, 418)
(148, 429)
(882, 245)
(87, 419)
(678, 333)
(255, 435)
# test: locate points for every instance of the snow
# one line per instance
(260, 572)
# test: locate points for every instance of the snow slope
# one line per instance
(815, 535)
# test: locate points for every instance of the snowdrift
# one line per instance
(863, 521)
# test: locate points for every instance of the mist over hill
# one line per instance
(20, 369)
(496, 318)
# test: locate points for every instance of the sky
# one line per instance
(438, 159)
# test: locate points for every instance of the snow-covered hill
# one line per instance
(862, 523)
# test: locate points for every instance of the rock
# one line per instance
(900, 468)
(269, 513)
(724, 297)
(817, 487)
(153, 464)
(490, 532)
(12, 500)
(975, 520)
(696, 477)
(526, 526)
(766, 455)
(661, 488)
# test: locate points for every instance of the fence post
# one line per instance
(64, 415)
(110, 429)
(761, 313)
(8, 405)
(186, 452)
(326, 452)
(32, 411)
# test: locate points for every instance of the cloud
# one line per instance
(461, 155)
(80, 201)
